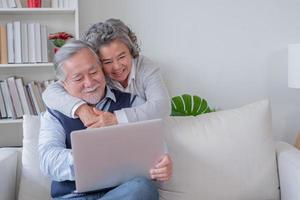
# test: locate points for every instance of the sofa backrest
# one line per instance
(227, 155)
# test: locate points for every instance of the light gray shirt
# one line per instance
(144, 81)
(56, 161)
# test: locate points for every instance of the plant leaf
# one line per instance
(203, 107)
(187, 99)
(177, 104)
(197, 102)
(187, 105)
(59, 42)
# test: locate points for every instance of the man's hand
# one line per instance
(86, 114)
(163, 169)
(103, 119)
(94, 118)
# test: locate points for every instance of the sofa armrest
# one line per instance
(288, 158)
(8, 168)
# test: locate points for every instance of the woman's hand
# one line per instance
(94, 118)
(103, 119)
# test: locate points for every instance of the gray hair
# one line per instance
(103, 33)
(66, 52)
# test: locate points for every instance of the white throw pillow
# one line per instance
(8, 166)
(33, 185)
(226, 155)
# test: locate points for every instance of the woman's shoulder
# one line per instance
(145, 65)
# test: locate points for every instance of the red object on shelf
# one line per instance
(29, 3)
(55, 49)
(34, 3)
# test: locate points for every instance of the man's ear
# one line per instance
(65, 85)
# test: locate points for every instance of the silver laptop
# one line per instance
(106, 157)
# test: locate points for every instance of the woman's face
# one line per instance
(117, 61)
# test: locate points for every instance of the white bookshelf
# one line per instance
(57, 20)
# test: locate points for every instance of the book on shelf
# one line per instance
(24, 34)
(63, 4)
(3, 45)
(19, 4)
(33, 95)
(38, 3)
(15, 97)
(10, 4)
(38, 45)
(23, 98)
(23, 43)
(29, 97)
(29, 101)
(31, 43)
(54, 3)
(7, 99)
(4, 4)
(46, 3)
(10, 42)
(2, 105)
(44, 43)
(38, 93)
(17, 42)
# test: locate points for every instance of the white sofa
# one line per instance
(227, 155)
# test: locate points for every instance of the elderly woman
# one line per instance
(125, 70)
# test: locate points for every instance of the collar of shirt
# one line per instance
(131, 78)
(105, 102)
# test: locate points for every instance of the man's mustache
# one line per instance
(91, 89)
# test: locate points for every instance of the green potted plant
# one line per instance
(59, 39)
(188, 105)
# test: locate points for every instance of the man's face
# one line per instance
(84, 77)
(117, 61)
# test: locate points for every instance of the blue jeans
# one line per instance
(139, 188)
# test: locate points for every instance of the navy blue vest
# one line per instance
(69, 124)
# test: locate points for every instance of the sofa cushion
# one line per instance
(33, 185)
(228, 155)
(8, 166)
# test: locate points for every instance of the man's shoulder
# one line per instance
(54, 113)
(47, 119)
(57, 116)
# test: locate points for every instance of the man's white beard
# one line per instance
(93, 96)
(94, 99)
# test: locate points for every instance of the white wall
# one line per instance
(229, 52)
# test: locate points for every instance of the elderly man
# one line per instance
(78, 69)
